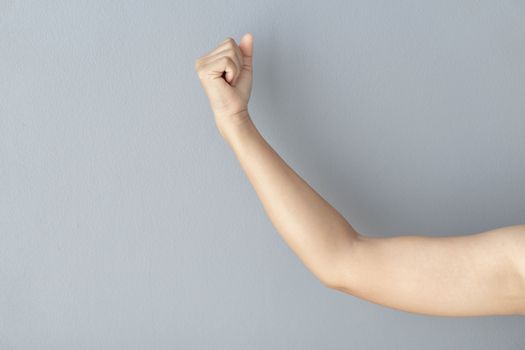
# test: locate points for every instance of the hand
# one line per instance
(226, 76)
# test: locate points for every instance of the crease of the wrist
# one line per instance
(238, 128)
(237, 117)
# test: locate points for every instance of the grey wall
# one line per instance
(126, 222)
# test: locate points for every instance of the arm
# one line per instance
(470, 275)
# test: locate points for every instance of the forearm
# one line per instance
(311, 227)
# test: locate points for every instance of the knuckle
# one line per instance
(229, 41)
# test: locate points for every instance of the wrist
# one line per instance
(235, 126)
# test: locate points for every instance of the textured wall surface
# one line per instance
(126, 222)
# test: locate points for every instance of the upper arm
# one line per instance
(477, 274)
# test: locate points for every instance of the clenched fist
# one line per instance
(226, 76)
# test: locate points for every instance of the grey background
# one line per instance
(127, 223)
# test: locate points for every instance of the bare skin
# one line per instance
(472, 275)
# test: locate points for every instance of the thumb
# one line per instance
(246, 46)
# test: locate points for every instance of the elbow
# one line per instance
(340, 282)
(330, 281)
(325, 273)
(341, 273)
